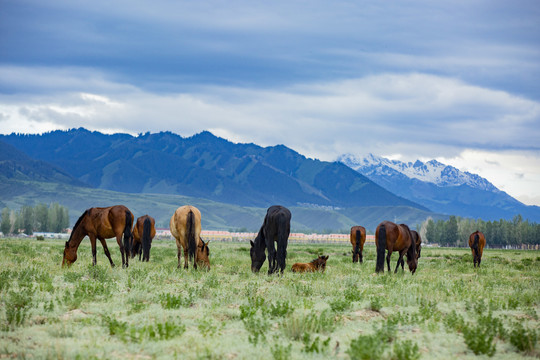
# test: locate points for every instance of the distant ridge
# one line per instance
(204, 166)
(441, 188)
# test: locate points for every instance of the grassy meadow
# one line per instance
(151, 310)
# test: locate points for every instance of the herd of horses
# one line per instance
(136, 239)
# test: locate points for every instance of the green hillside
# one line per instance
(215, 215)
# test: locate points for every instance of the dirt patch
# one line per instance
(77, 313)
(364, 315)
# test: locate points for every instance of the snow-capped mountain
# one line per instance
(441, 188)
(431, 172)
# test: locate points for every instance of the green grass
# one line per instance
(447, 309)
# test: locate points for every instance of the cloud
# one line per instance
(387, 113)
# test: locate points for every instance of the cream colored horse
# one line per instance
(185, 226)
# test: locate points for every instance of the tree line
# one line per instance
(456, 230)
(41, 218)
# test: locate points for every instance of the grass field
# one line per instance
(446, 310)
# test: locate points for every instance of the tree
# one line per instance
(41, 216)
(430, 231)
(451, 233)
(28, 219)
(5, 225)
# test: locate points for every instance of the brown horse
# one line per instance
(185, 226)
(101, 223)
(393, 237)
(318, 264)
(358, 232)
(477, 241)
(418, 241)
(144, 231)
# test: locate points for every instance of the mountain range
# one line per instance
(155, 173)
(233, 184)
(441, 188)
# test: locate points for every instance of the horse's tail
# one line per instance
(127, 232)
(192, 241)
(357, 246)
(475, 246)
(381, 249)
(146, 241)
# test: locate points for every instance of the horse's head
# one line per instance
(70, 255)
(258, 256)
(203, 254)
(412, 261)
(321, 262)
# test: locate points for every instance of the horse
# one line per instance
(418, 241)
(101, 223)
(318, 264)
(392, 237)
(144, 231)
(276, 227)
(185, 226)
(477, 241)
(358, 232)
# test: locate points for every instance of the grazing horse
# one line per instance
(358, 238)
(393, 237)
(101, 223)
(275, 228)
(418, 241)
(144, 231)
(185, 226)
(477, 241)
(318, 264)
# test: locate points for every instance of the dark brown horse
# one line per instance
(477, 241)
(101, 223)
(276, 227)
(318, 264)
(358, 238)
(418, 241)
(144, 231)
(393, 237)
(185, 226)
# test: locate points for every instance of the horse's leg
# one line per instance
(93, 243)
(186, 265)
(271, 257)
(106, 250)
(179, 255)
(388, 259)
(399, 261)
(122, 251)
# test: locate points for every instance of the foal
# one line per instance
(319, 264)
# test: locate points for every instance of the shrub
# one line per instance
(281, 352)
(523, 339)
(479, 340)
(314, 345)
(339, 304)
(366, 347)
(280, 309)
(171, 301)
(296, 326)
(256, 326)
(17, 305)
(406, 350)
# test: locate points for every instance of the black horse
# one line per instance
(275, 228)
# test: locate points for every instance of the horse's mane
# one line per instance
(77, 224)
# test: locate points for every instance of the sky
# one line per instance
(456, 81)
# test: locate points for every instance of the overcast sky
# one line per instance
(456, 81)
